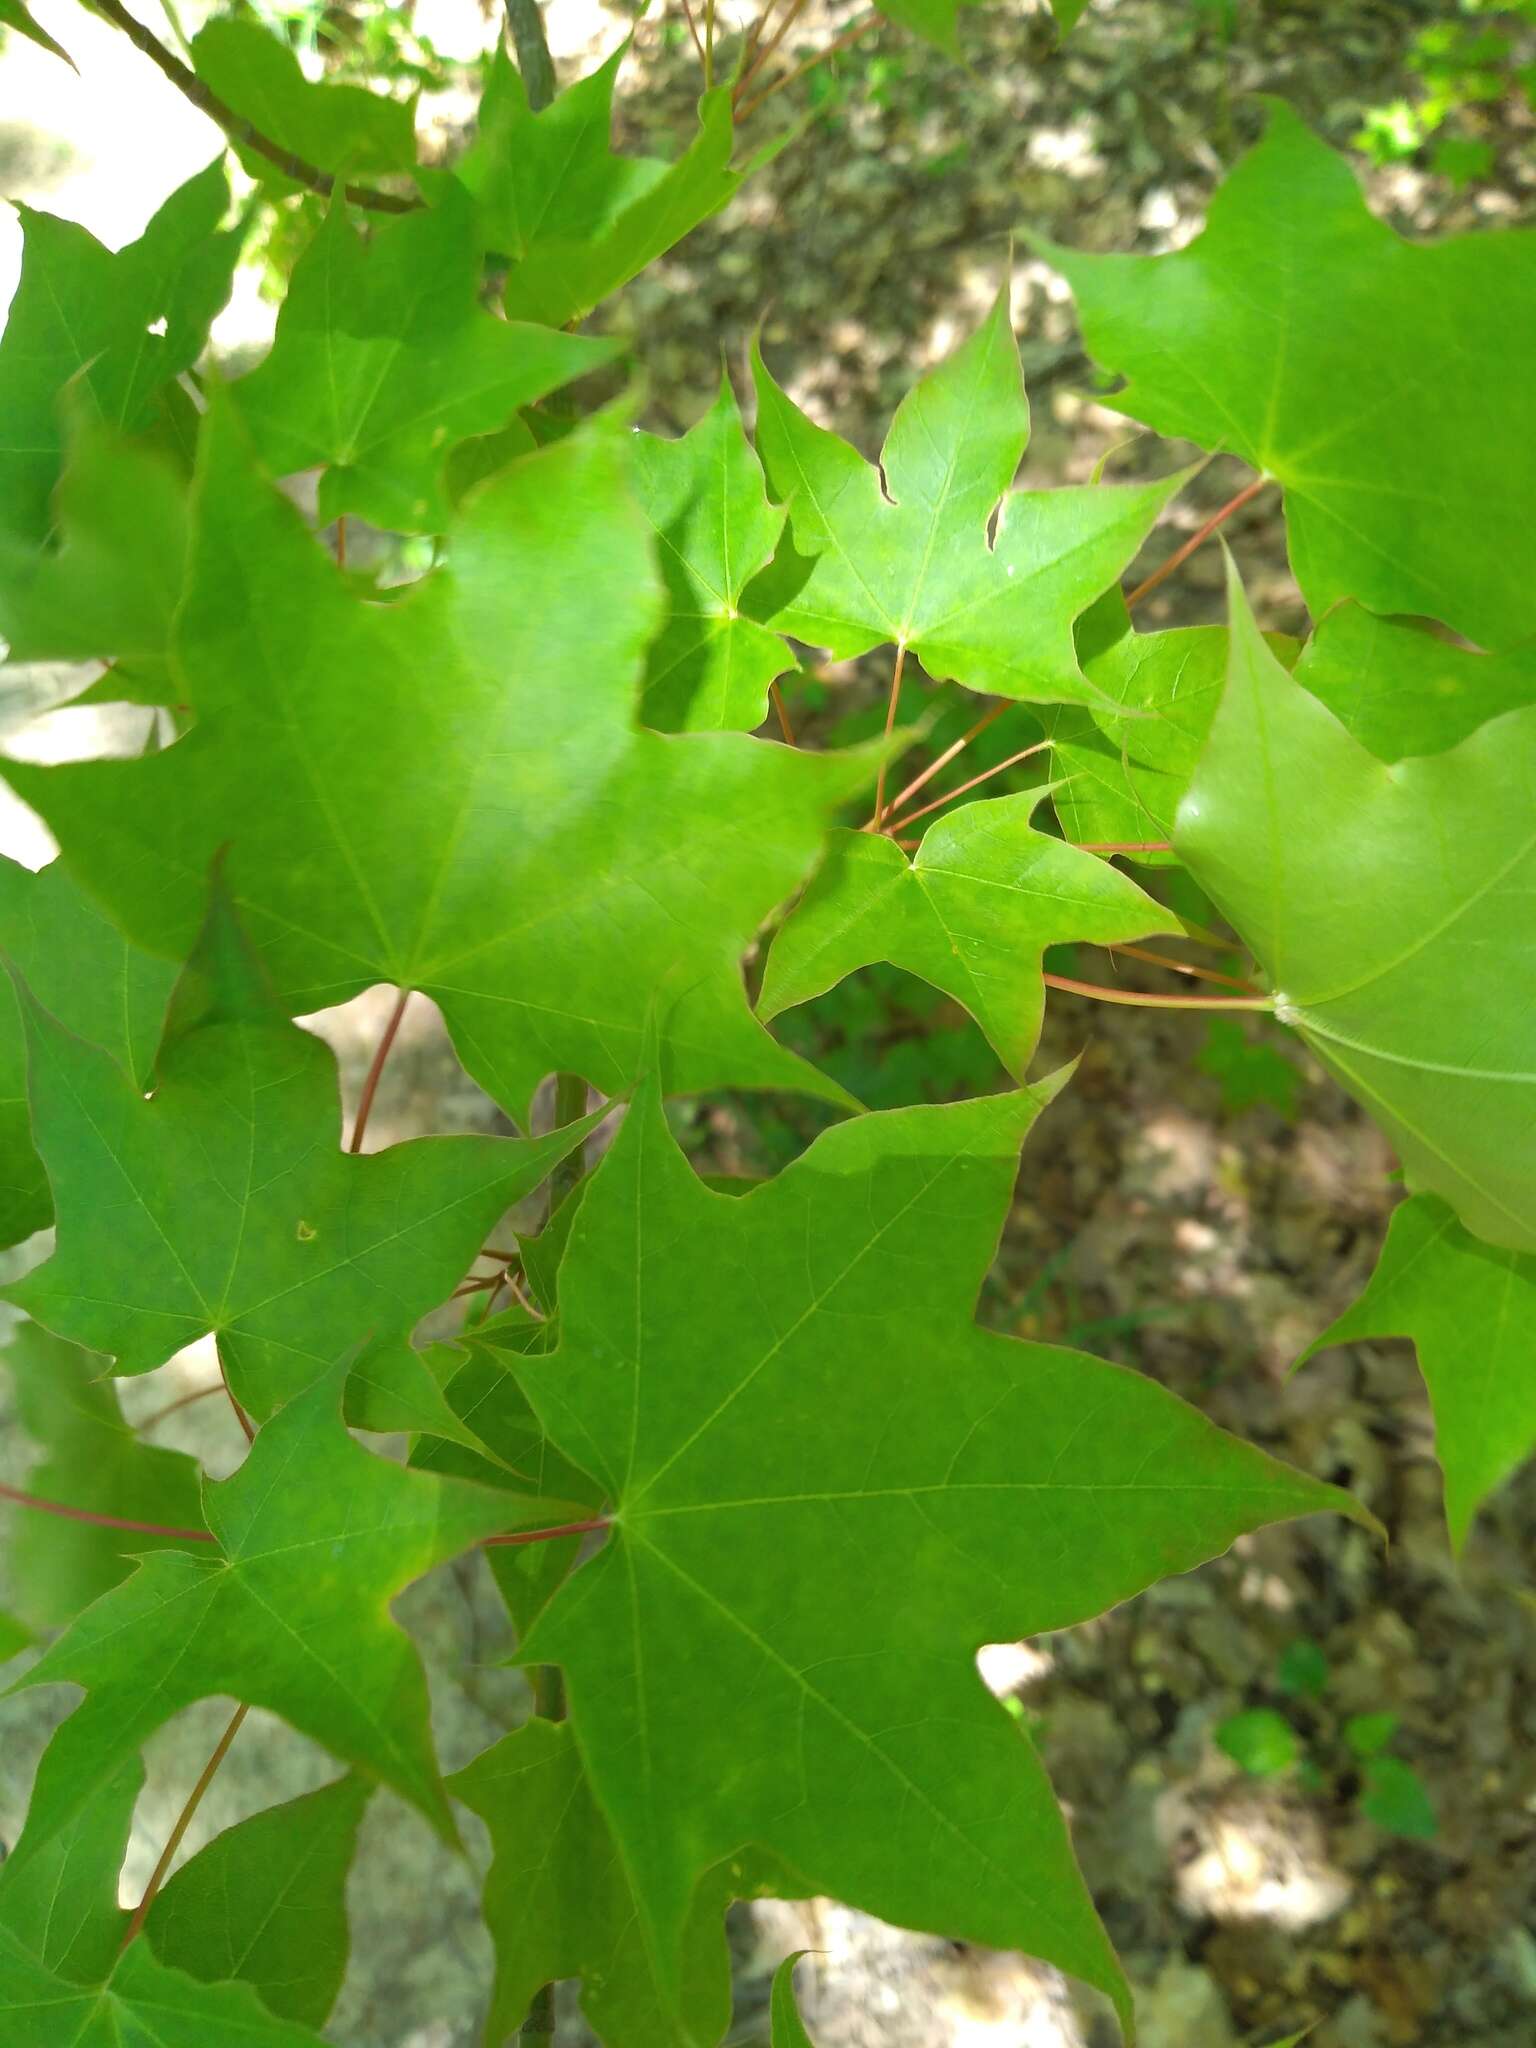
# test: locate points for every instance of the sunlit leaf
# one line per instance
(223, 1203)
(1470, 1309)
(932, 550)
(972, 912)
(385, 360)
(568, 875)
(1392, 911)
(1305, 335)
(825, 1583)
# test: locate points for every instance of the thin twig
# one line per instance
(490, 1282)
(892, 703)
(860, 28)
(371, 1083)
(709, 44)
(237, 127)
(1184, 967)
(524, 1299)
(181, 1401)
(1144, 1002)
(341, 541)
(693, 29)
(1197, 539)
(183, 1822)
(753, 37)
(58, 1507)
(240, 1415)
(785, 727)
(548, 1535)
(766, 52)
(986, 775)
(959, 746)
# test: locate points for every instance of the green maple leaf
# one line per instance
(576, 220)
(64, 1975)
(265, 1902)
(92, 1460)
(827, 1487)
(475, 1374)
(559, 1902)
(710, 666)
(384, 360)
(1470, 1309)
(111, 587)
(1120, 776)
(901, 554)
(567, 872)
(1358, 369)
(333, 126)
(936, 21)
(14, 16)
(80, 967)
(1391, 911)
(58, 1895)
(287, 1609)
(971, 912)
(787, 2027)
(1402, 691)
(85, 313)
(221, 1203)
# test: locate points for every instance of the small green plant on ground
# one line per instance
(1348, 1758)
(753, 1482)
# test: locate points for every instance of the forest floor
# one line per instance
(1204, 1243)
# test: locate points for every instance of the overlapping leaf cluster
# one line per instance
(793, 1485)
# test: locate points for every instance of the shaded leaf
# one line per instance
(709, 668)
(1370, 895)
(576, 220)
(1402, 691)
(1470, 1310)
(1303, 334)
(58, 1896)
(265, 1902)
(568, 876)
(100, 987)
(384, 361)
(1395, 1798)
(1120, 776)
(222, 1203)
(92, 1460)
(333, 126)
(288, 1608)
(478, 1384)
(64, 1975)
(972, 912)
(110, 589)
(84, 312)
(559, 1903)
(824, 1584)
(903, 555)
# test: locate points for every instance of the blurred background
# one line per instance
(1303, 1780)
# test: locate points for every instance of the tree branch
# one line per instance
(525, 19)
(237, 127)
